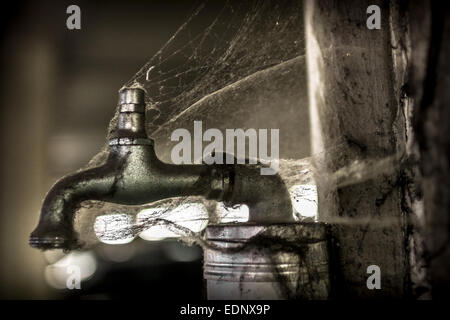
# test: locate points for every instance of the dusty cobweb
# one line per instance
(222, 52)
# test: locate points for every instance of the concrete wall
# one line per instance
(356, 118)
(380, 98)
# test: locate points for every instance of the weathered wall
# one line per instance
(377, 93)
(429, 84)
(356, 116)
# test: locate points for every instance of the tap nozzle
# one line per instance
(133, 175)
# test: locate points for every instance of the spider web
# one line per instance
(218, 45)
(224, 49)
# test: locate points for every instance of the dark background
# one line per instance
(58, 93)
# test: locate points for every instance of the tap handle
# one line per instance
(130, 127)
(132, 100)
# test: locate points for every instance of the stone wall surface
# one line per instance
(355, 113)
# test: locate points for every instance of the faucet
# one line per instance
(133, 175)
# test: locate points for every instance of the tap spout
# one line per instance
(133, 175)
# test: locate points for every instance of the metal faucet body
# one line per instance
(133, 175)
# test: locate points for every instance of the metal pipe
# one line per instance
(268, 262)
(134, 175)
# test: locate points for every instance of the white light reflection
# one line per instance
(114, 228)
(56, 274)
(304, 201)
(192, 216)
